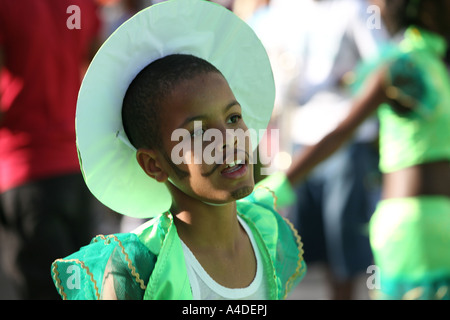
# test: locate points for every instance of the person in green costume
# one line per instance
(409, 87)
(161, 82)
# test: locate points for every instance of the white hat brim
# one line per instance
(197, 27)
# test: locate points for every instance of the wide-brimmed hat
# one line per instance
(196, 27)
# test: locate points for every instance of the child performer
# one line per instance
(410, 89)
(176, 71)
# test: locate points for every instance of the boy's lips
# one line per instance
(235, 171)
(231, 162)
(235, 165)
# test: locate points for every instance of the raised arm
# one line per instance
(363, 107)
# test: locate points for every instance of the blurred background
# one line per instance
(314, 47)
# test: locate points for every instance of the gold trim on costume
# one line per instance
(127, 258)
(299, 271)
(58, 280)
(275, 198)
(107, 240)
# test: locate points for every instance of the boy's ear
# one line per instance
(149, 161)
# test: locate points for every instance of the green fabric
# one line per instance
(169, 279)
(417, 79)
(276, 235)
(153, 254)
(80, 276)
(278, 183)
(410, 240)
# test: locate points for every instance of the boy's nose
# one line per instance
(230, 141)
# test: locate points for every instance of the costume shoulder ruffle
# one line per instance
(110, 267)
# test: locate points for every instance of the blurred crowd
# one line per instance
(314, 46)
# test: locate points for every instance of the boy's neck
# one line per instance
(217, 240)
(207, 226)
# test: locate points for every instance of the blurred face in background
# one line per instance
(430, 14)
(436, 15)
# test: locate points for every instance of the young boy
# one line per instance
(213, 235)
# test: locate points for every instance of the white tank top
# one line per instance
(205, 288)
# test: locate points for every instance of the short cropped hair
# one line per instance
(142, 102)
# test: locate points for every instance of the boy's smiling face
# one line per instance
(205, 99)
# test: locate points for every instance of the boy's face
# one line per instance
(197, 108)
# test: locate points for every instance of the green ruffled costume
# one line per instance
(410, 237)
(148, 263)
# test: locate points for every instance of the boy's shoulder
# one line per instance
(280, 237)
(81, 275)
(275, 191)
(261, 208)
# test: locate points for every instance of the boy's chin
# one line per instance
(242, 192)
(234, 195)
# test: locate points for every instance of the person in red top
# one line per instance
(45, 206)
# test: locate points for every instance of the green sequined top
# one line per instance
(417, 80)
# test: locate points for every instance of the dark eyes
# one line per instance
(233, 119)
